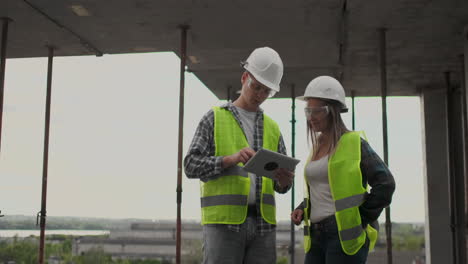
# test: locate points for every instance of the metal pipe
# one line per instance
(292, 247)
(383, 82)
(456, 179)
(465, 132)
(353, 111)
(46, 154)
(461, 179)
(3, 50)
(5, 20)
(452, 200)
(342, 37)
(183, 57)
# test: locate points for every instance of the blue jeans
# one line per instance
(224, 246)
(326, 247)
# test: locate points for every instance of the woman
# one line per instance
(338, 211)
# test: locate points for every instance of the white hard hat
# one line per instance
(266, 66)
(325, 87)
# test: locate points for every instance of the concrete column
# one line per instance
(438, 233)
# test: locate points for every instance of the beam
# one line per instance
(85, 43)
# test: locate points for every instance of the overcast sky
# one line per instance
(113, 139)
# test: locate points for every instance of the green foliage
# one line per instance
(282, 260)
(194, 251)
(96, 255)
(408, 242)
(146, 261)
(23, 251)
(26, 251)
(20, 222)
(404, 236)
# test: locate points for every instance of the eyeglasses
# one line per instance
(260, 89)
(316, 112)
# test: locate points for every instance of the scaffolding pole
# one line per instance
(292, 247)
(42, 214)
(183, 57)
(353, 111)
(465, 132)
(383, 82)
(456, 177)
(3, 53)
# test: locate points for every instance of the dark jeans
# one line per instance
(326, 246)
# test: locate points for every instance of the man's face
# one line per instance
(255, 93)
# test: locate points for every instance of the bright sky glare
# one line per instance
(113, 139)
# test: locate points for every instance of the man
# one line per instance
(238, 208)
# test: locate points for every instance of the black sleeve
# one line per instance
(375, 173)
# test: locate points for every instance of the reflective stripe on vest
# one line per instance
(348, 202)
(234, 170)
(344, 175)
(268, 199)
(224, 199)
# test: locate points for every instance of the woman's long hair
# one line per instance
(336, 128)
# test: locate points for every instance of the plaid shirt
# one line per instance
(201, 162)
(375, 173)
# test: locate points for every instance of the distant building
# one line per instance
(141, 241)
(158, 241)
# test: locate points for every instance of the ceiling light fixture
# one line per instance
(80, 11)
(194, 59)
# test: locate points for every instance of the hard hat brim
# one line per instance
(261, 80)
(344, 108)
(303, 98)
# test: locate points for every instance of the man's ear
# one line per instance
(244, 77)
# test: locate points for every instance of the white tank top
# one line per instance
(321, 200)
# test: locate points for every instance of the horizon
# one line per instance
(169, 220)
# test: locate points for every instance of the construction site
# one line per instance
(401, 48)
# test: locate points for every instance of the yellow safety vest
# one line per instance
(345, 178)
(224, 199)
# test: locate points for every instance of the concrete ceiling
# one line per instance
(335, 37)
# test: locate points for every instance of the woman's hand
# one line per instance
(297, 216)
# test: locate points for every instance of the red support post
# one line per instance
(43, 212)
(183, 58)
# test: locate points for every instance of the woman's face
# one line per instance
(317, 112)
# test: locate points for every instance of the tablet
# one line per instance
(264, 162)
